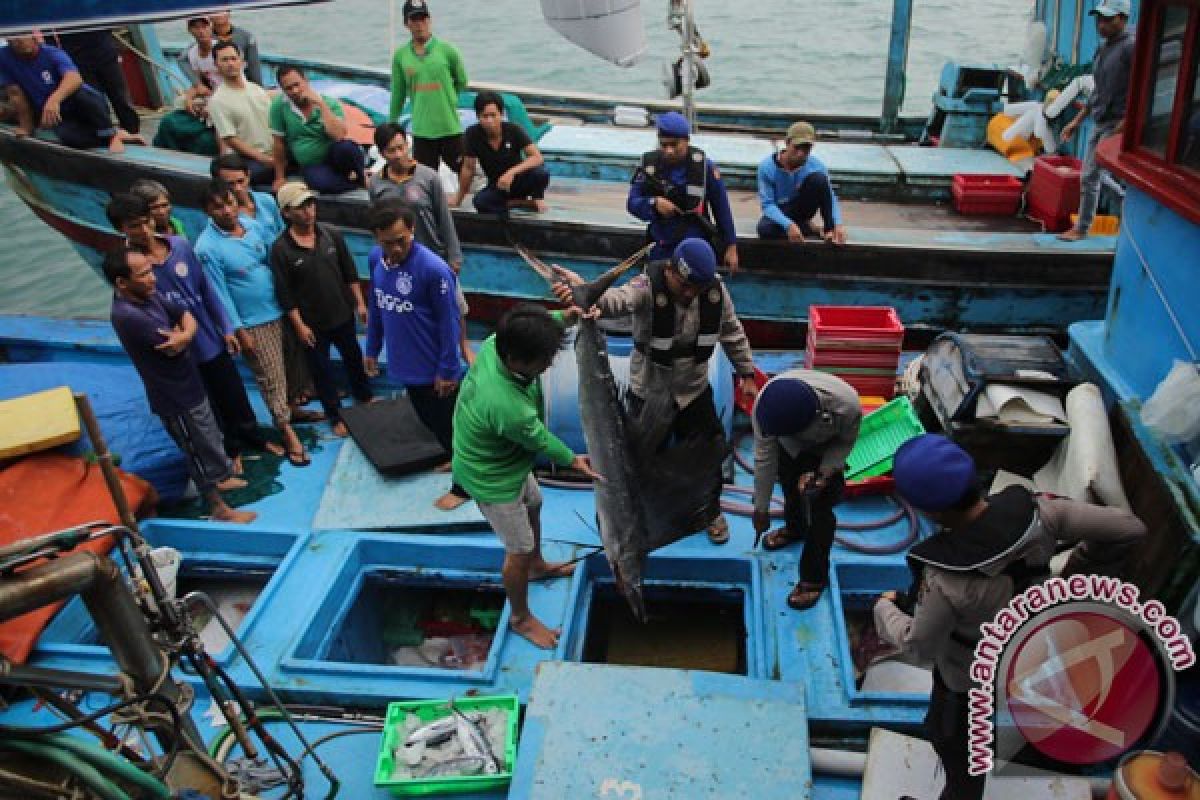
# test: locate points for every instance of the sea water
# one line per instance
(810, 54)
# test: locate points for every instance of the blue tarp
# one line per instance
(132, 432)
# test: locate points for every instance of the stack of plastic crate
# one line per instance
(859, 344)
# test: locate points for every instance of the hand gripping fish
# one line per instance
(649, 497)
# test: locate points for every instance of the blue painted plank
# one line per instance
(601, 731)
(358, 497)
(730, 152)
(919, 163)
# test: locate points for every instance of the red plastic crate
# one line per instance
(870, 487)
(883, 359)
(829, 344)
(878, 386)
(996, 195)
(854, 323)
(1055, 222)
(1054, 186)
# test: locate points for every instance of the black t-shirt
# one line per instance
(513, 141)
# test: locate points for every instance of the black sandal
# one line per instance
(805, 595)
(779, 539)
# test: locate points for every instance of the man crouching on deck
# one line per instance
(499, 429)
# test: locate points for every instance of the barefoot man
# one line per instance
(499, 429)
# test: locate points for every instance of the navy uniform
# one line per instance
(679, 339)
(990, 550)
(694, 185)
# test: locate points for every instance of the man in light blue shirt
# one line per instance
(233, 249)
(793, 185)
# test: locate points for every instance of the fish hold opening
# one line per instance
(403, 621)
(688, 628)
(233, 589)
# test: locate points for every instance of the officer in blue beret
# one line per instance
(987, 550)
(679, 191)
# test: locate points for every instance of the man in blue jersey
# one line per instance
(414, 313)
(679, 191)
(157, 335)
(47, 91)
(793, 185)
(181, 279)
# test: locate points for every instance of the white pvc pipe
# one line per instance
(849, 764)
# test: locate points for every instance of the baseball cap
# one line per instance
(294, 194)
(801, 133)
(696, 261)
(415, 8)
(1111, 8)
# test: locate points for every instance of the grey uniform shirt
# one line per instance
(952, 606)
(1111, 69)
(424, 193)
(688, 378)
(832, 433)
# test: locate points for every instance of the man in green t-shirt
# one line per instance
(499, 429)
(310, 127)
(431, 72)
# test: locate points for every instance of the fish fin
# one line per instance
(677, 493)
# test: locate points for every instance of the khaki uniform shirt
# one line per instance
(689, 378)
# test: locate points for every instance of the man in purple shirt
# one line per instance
(181, 279)
(47, 91)
(157, 334)
(413, 311)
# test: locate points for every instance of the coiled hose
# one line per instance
(742, 509)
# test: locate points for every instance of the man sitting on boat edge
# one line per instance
(516, 177)
(47, 91)
(238, 110)
(793, 186)
(308, 128)
(679, 191)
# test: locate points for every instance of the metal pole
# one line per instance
(897, 65)
(104, 459)
(689, 65)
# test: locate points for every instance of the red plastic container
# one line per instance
(1054, 188)
(874, 385)
(995, 195)
(883, 359)
(854, 325)
(1053, 221)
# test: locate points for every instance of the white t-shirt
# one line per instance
(204, 66)
(242, 113)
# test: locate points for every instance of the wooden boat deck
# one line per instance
(604, 201)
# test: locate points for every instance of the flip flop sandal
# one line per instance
(779, 539)
(805, 595)
(304, 415)
(299, 459)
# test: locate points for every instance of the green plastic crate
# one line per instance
(427, 711)
(880, 436)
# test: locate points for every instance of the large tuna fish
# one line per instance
(649, 496)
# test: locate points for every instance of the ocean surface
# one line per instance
(809, 54)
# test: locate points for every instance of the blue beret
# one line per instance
(674, 124)
(695, 261)
(784, 406)
(932, 472)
